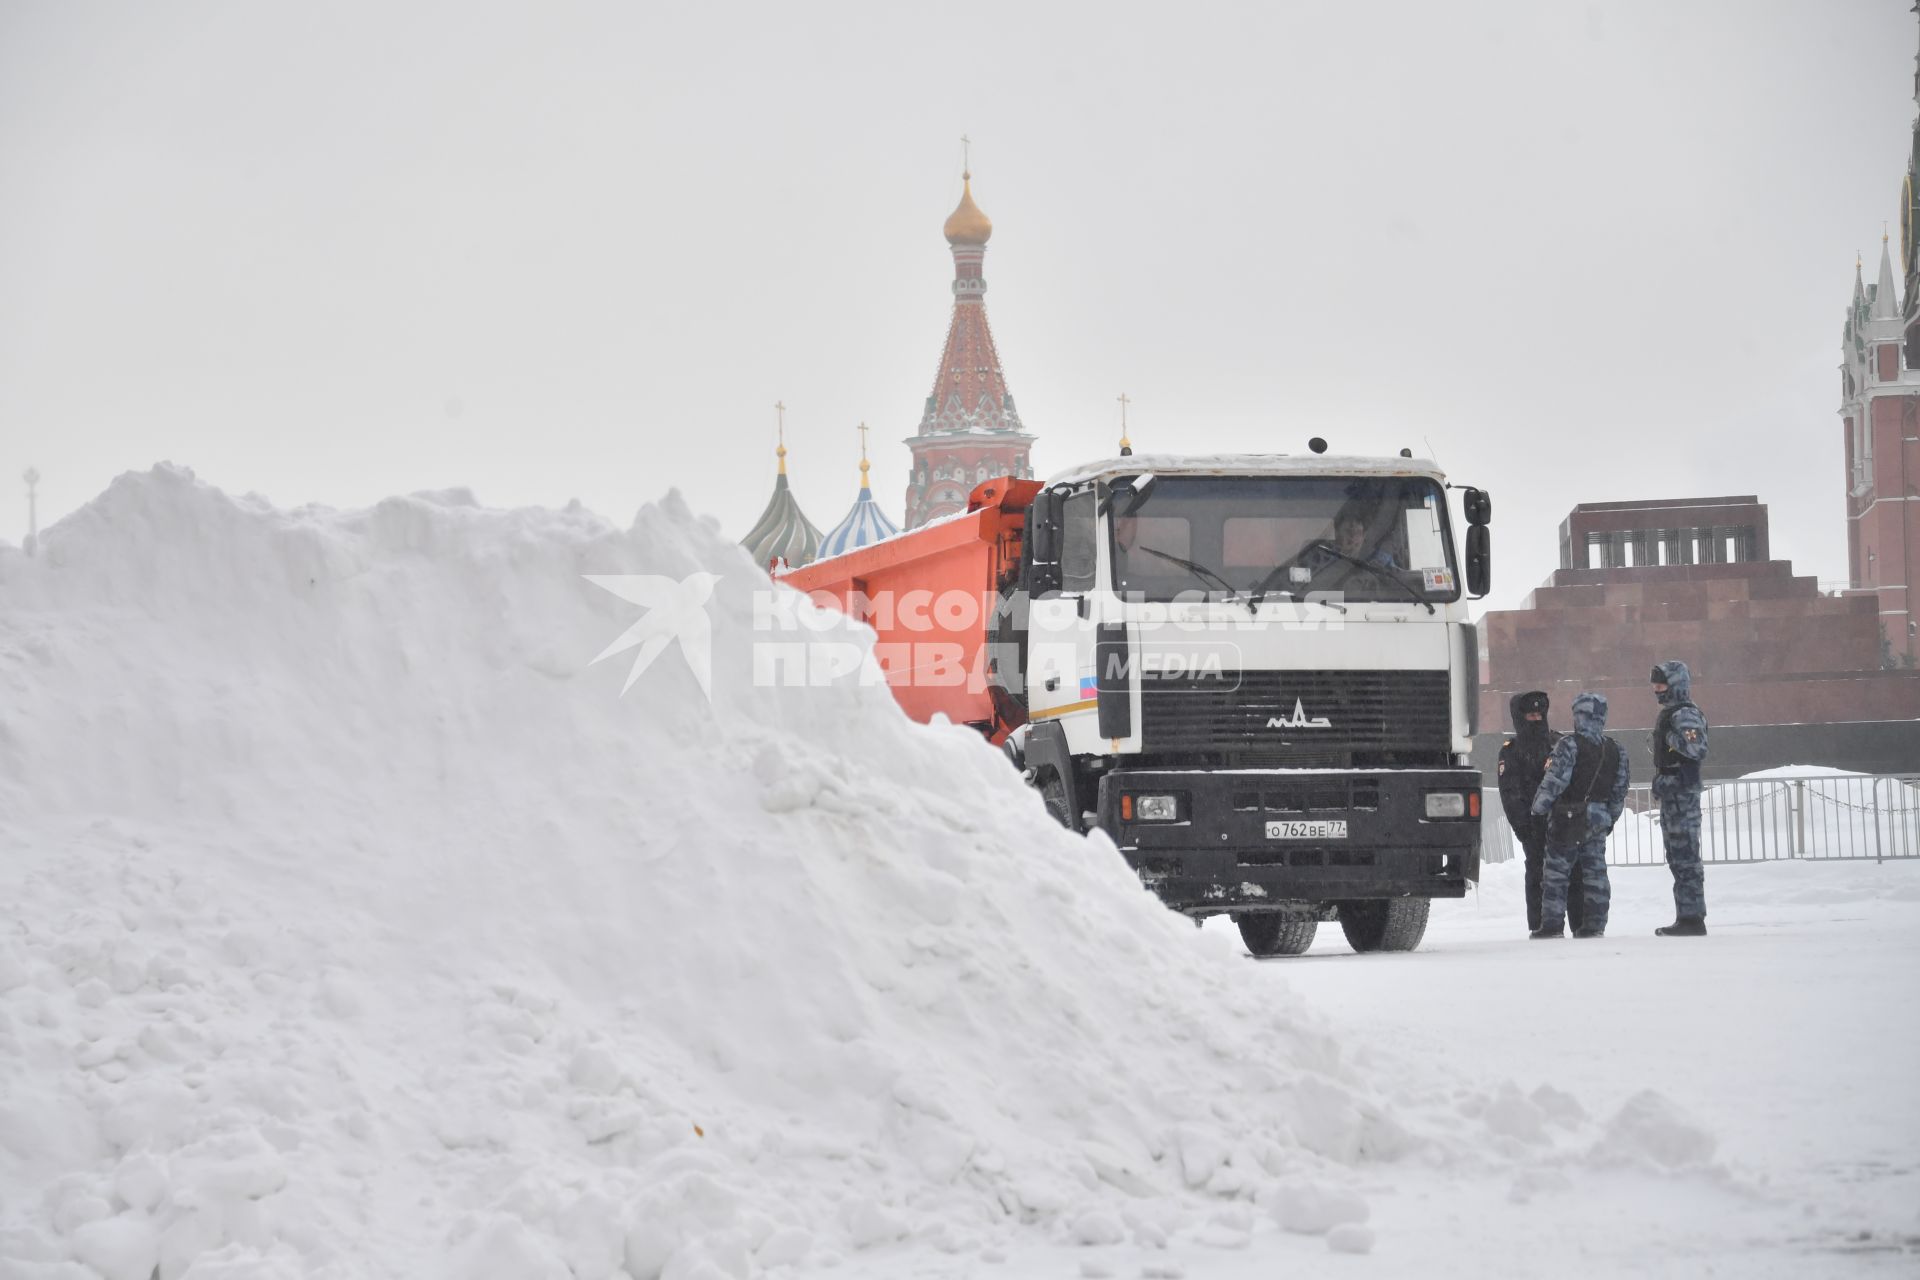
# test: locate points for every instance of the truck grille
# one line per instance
(1301, 719)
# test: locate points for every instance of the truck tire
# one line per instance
(1054, 792)
(1275, 935)
(1385, 924)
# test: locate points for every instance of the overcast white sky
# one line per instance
(330, 252)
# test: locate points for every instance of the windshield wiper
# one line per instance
(1309, 598)
(1197, 570)
(1375, 570)
(1266, 587)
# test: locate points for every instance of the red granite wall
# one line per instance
(1765, 646)
(1691, 513)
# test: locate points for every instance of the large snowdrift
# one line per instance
(357, 925)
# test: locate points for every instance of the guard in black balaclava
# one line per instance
(1523, 762)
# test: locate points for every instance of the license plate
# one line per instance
(1329, 829)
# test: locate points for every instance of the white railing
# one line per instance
(1815, 817)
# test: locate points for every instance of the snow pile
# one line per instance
(1792, 771)
(358, 926)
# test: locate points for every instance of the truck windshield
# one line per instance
(1349, 537)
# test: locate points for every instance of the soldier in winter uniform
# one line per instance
(1581, 796)
(1679, 747)
(1523, 763)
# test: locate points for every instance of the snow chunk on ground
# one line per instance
(1649, 1129)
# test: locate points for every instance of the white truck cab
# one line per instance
(1257, 674)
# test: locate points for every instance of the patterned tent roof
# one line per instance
(865, 523)
(970, 389)
(783, 532)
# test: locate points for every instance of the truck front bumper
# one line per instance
(1257, 840)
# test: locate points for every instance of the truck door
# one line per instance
(1060, 634)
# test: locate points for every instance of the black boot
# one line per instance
(1684, 927)
(1557, 931)
(1586, 932)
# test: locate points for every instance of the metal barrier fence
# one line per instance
(1816, 818)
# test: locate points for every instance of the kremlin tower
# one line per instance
(970, 430)
(782, 537)
(1880, 414)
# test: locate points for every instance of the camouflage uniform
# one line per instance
(1590, 855)
(1679, 747)
(1523, 763)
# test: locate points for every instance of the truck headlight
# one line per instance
(1156, 808)
(1446, 804)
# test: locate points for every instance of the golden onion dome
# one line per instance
(966, 224)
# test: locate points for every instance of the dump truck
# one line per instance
(1255, 674)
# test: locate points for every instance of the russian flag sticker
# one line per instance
(1088, 686)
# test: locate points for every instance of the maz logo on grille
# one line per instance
(1319, 719)
(1299, 719)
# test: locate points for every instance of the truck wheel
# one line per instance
(1385, 924)
(1054, 793)
(1272, 935)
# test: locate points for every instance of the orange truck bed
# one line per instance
(931, 596)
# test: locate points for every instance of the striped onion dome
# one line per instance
(865, 523)
(783, 533)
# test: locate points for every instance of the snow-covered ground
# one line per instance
(354, 924)
(1746, 1102)
(1790, 1038)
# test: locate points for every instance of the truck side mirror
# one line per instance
(1478, 504)
(1479, 561)
(1043, 544)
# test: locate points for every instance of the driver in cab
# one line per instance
(1356, 547)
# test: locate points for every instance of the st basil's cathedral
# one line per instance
(969, 430)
